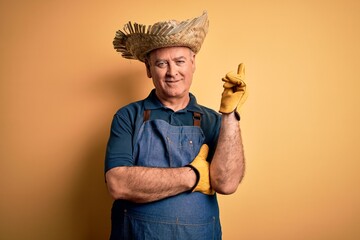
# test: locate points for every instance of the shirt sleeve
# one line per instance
(119, 148)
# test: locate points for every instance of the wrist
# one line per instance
(195, 177)
(232, 115)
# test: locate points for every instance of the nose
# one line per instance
(171, 70)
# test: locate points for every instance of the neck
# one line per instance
(175, 103)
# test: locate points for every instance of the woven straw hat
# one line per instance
(136, 40)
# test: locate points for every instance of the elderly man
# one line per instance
(168, 156)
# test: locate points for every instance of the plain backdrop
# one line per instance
(61, 82)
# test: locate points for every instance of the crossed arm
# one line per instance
(144, 184)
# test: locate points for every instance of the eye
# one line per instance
(180, 62)
(161, 64)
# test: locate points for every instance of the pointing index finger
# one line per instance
(241, 69)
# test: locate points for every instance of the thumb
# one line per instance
(204, 150)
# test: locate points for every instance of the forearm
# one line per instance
(144, 184)
(228, 164)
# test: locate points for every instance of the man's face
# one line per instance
(171, 69)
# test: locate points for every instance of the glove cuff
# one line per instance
(197, 176)
(237, 114)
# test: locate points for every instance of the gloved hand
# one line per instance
(235, 93)
(202, 170)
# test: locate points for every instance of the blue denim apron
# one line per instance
(190, 215)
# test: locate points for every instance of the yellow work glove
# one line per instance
(202, 170)
(235, 92)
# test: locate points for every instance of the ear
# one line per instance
(193, 62)
(148, 72)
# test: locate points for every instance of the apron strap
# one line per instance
(146, 115)
(196, 117)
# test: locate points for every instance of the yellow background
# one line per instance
(61, 82)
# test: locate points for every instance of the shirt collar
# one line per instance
(152, 102)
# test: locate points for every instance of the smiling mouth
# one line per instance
(172, 81)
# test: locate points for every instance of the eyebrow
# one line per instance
(180, 58)
(174, 59)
